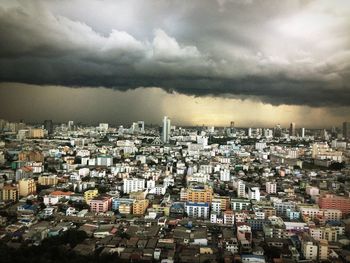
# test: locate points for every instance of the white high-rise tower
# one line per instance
(166, 129)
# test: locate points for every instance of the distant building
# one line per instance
(48, 125)
(36, 133)
(292, 129)
(346, 130)
(166, 129)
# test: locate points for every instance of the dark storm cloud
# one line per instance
(282, 52)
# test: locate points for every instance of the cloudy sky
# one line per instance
(257, 62)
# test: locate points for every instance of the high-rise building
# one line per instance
(241, 189)
(70, 125)
(302, 132)
(249, 132)
(48, 125)
(292, 129)
(346, 130)
(277, 131)
(166, 129)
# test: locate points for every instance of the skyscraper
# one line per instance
(48, 125)
(346, 130)
(277, 131)
(166, 129)
(302, 132)
(292, 129)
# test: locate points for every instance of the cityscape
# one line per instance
(174, 131)
(176, 194)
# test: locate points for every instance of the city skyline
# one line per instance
(203, 62)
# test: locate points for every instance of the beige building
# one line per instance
(26, 186)
(197, 194)
(310, 250)
(323, 250)
(139, 207)
(36, 133)
(9, 192)
(125, 208)
(48, 180)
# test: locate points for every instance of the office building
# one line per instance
(292, 129)
(166, 129)
(48, 125)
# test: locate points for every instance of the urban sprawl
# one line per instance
(174, 194)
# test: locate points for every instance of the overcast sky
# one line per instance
(259, 62)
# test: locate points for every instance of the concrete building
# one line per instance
(36, 133)
(140, 206)
(100, 204)
(254, 193)
(330, 201)
(166, 129)
(90, 194)
(292, 129)
(309, 249)
(197, 209)
(26, 186)
(197, 194)
(271, 187)
(133, 185)
(48, 180)
(9, 192)
(241, 189)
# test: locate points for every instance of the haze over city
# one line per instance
(200, 62)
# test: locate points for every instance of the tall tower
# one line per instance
(48, 125)
(346, 130)
(292, 129)
(166, 129)
(302, 132)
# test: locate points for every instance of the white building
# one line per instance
(166, 129)
(271, 187)
(197, 210)
(133, 185)
(310, 250)
(254, 193)
(241, 189)
(225, 175)
(104, 160)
